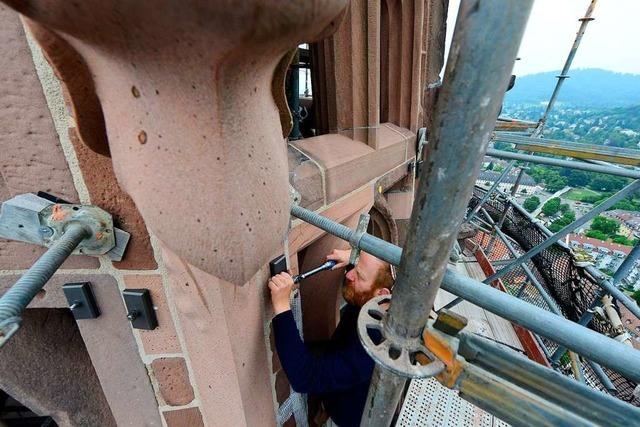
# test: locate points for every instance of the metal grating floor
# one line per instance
(428, 403)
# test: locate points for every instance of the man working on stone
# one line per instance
(341, 376)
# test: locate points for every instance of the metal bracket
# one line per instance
(405, 357)
(82, 303)
(33, 219)
(140, 308)
(361, 229)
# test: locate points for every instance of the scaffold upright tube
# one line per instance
(483, 50)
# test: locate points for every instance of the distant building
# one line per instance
(629, 221)
(527, 185)
(606, 256)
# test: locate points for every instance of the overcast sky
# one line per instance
(610, 42)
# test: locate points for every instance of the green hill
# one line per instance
(589, 87)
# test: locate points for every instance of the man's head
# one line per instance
(369, 278)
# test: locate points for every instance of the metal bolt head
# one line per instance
(449, 322)
(46, 232)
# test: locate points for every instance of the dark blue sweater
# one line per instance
(341, 377)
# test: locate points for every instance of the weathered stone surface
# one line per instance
(321, 293)
(190, 417)
(46, 367)
(400, 203)
(200, 152)
(349, 164)
(162, 339)
(105, 192)
(19, 255)
(173, 380)
(111, 346)
(31, 159)
(225, 324)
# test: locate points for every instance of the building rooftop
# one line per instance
(597, 243)
(491, 176)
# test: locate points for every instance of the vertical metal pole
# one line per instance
(484, 46)
(572, 53)
(16, 299)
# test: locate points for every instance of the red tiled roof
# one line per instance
(598, 243)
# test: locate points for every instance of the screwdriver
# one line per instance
(326, 266)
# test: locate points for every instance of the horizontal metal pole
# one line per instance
(577, 150)
(554, 398)
(571, 164)
(590, 344)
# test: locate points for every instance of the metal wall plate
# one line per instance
(278, 265)
(140, 308)
(81, 300)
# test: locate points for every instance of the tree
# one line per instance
(605, 225)
(554, 182)
(531, 203)
(607, 183)
(596, 235)
(567, 218)
(551, 207)
(576, 178)
(564, 208)
(636, 296)
(621, 240)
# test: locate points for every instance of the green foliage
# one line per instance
(498, 168)
(567, 218)
(596, 235)
(575, 178)
(504, 146)
(593, 199)
(607, 183)
(627, 204)
(605, 225)
(531, 203)
(636, 296)
(554, 182)
(564, 208)
(551, 207)
(622, 240)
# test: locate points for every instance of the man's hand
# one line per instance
(281, 286)
(340, 256)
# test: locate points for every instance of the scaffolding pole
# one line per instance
(564, 74)
(571, 164)
(484, 46)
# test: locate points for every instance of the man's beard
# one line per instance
(354, 297)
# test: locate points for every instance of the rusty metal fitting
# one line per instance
(449, 322)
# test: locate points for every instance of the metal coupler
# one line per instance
(64, 229)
